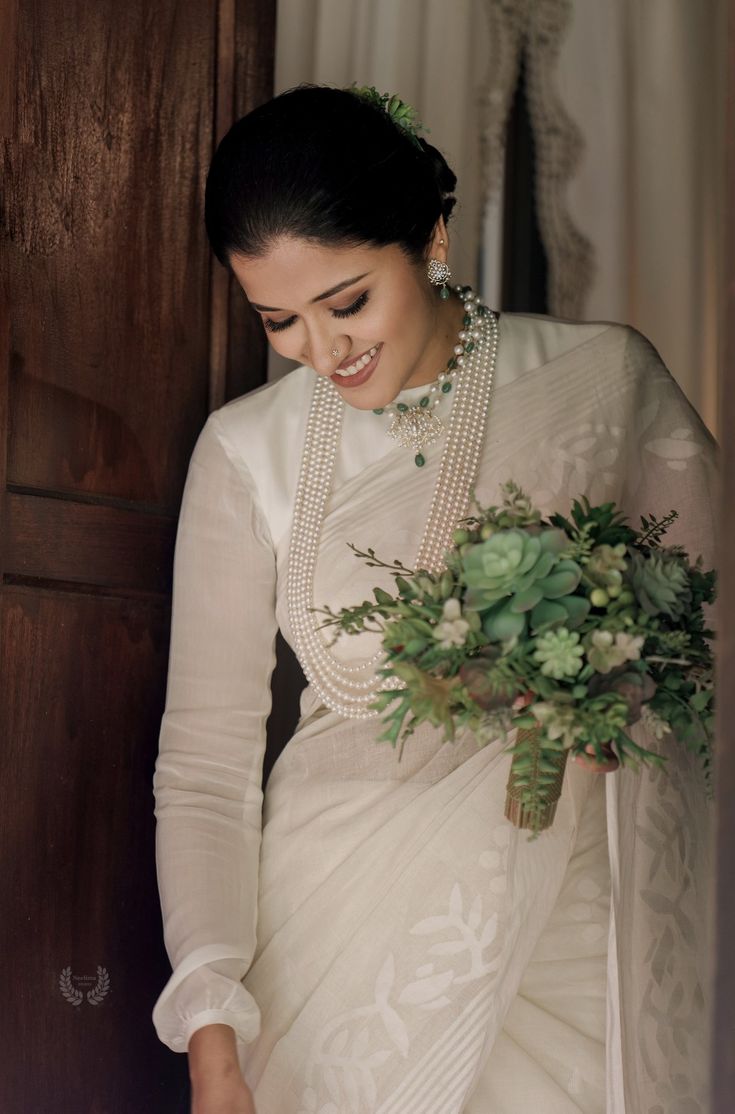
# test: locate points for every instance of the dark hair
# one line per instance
(321, 164)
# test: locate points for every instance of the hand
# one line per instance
(592, 764)
(217, 1085)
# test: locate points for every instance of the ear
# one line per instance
(439, 244)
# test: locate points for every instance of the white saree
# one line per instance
(380, 938)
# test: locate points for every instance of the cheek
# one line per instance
(285, 343)
(278, 341)
(387, 324)
(408, 319)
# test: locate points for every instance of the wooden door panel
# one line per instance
(103, 191)
(53, 539)
(118, 334)
(77, 846)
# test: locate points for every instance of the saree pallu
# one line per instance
(397, 918)
(414, 952)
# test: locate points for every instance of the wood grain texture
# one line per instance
(76, 835)
(57, 539)
(105, 362)
(255, 29)
(8, 71)
(104, 242)
(220, 277)
(246, 59)
(723, 1062)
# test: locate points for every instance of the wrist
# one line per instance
(212, 1051)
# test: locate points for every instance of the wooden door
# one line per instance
(117, 336)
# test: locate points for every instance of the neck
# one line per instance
(449, 314)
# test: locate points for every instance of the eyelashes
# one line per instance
(276, 326)
(354, 308)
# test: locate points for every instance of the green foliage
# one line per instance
(528, 598)
(402, 114)
(604, 524)
(653, 530)
(660, 582)
(516, 510)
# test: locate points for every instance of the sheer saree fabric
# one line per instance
(376, 933)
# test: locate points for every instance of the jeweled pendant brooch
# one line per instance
(415, 428)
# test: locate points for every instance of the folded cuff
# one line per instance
(205, 989)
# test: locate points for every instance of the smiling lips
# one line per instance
(359, 364)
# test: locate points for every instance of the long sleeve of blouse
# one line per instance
(207, 779)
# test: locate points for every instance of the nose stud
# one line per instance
(335, 352)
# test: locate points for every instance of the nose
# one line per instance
(321, 344)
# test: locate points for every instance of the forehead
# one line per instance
(295, 271)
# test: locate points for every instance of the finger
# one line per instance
(523, 700)
(605, 765)
(594, 767)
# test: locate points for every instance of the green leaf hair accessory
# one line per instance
(403, 115)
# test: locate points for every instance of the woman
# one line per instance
(380, 938)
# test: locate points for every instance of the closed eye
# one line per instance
(276, 326)
(357, 305)
(354, 308)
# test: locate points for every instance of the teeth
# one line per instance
(358, 364)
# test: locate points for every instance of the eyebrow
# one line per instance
(320, 297)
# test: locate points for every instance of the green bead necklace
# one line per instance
(418, 425)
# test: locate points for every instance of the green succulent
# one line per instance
(606, 565)
(660, 583)
(400, 112)
(515, 573)
(560, 653)
(515, 510)
(606, 650)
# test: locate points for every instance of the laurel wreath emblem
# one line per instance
(95, 996)
(75, 996)
(69, 991)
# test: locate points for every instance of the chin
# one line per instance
(360, 404)
(373, 398)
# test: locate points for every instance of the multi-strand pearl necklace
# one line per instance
(417, 426)
(350, 688)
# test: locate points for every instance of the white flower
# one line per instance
(453, 629)
(653, 721)
(543, 710)
(557, 721)
(607, 652)
(630, 644)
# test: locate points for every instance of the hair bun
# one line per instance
(279, 171)
(446, 179)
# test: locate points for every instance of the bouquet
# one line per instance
(569, 630)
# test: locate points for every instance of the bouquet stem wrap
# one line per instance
(522, 815)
